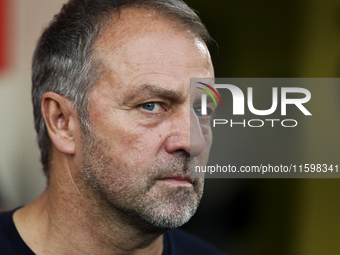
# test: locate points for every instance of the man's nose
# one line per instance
(185, 134)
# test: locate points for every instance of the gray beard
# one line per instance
(140, 201)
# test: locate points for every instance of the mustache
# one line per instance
(181, 166)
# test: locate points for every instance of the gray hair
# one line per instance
(64, 61)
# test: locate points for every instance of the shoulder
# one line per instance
(10, 240)
(178, 242)
(5, 230)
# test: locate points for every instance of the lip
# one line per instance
(177, 180)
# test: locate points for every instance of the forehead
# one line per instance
(135, 23)
(141, 44)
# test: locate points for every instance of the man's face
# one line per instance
(138, 155)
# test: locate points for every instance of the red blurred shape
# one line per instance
(3, 35)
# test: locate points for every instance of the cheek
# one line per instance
(134, 145)
(204, 157)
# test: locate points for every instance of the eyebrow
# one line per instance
(154, 91)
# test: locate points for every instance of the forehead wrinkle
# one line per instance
(179, 64)
(147, 43)
(155, 91)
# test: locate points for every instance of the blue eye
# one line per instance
(198, 111)
(151, 106)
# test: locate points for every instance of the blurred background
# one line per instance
(282, 38)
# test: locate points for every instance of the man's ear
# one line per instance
(61, 120)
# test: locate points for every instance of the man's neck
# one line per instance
(64, 222)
